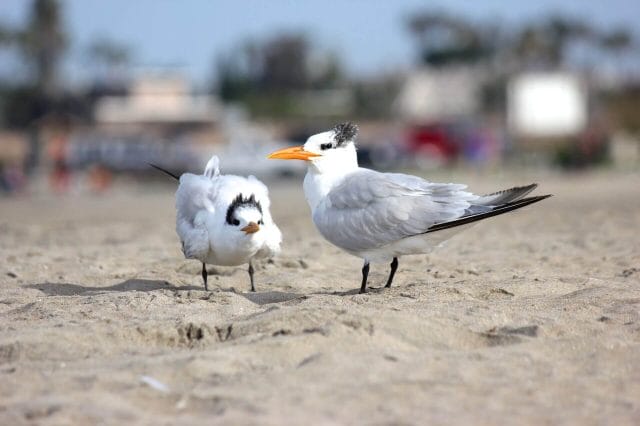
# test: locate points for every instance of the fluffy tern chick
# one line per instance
(224, 219)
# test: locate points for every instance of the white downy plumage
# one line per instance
(382, 216)
(225, 220)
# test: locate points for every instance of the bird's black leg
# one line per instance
(365, 274)
(204, 276)
(394, 266)
(253, 288)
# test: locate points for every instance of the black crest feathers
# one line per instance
(345, 132)
(241, 201)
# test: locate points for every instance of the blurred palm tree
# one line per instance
(108, 53)
(446, 40)
(546, 44)
(618, 43)
(43, 43)
(111, 62)
(618, 40)
(268, 75)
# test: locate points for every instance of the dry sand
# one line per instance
(529, 318)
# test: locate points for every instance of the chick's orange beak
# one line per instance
(293, 153)
(251, 228)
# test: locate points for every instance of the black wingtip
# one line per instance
(495, 212)
(164, 171)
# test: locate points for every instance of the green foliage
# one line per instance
(444, 40)
(20, 105)
(374, 99)
(108, 53)
(548, 41)
(41, 43)
(267, 76)
(447, 40)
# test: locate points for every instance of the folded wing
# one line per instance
(370, 209)
(195, 202)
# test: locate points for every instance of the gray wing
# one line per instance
(371, 209)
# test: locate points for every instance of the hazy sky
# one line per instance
(369, 35)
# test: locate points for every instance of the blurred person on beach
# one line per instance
(60, 176)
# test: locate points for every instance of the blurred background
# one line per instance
(90, 92)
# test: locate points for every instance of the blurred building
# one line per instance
(161, 101)
(157, 119)
(433, 95)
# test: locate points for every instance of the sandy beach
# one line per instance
(528, 318)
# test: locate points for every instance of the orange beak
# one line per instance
(293, 153)
(251, 228)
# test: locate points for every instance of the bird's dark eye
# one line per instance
(325, 146)
(261, 222)
(236, 222)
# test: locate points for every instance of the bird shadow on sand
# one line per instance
(267, 297)
(352, 292)
(66, 289)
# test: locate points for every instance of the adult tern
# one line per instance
(382, 216)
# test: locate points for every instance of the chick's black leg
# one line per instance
(365, 274)
(204, 276)
(253, 288)
(394, 266)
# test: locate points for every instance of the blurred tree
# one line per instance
(6, 35)
(618, 40)
(446, 40)
(43, 43)
(109, 55)
(284, 63)
(267, 75)
(546, 44)
(110, 62)
(617, 43)
(236, 73)
(326, 71)
(374, 98)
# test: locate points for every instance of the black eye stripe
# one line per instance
(326, 146)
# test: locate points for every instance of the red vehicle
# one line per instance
(434, 144)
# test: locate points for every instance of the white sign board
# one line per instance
(546, 105)
(434, 95)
